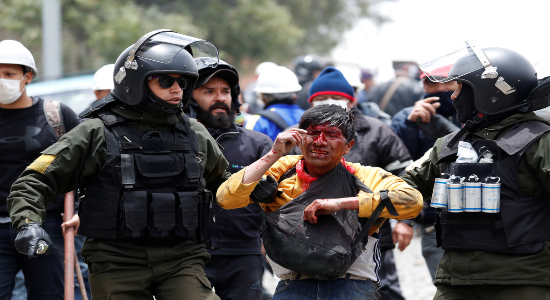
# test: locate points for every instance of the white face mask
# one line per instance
(9, 90)
(342, 103)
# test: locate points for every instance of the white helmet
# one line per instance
(264, 66)
(353, 76)
(277, 80)
(13, 52)
(103, 78)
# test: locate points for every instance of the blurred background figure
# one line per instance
(103, 81)
(307, 68)
(400, 92)
(368, 82)
(252, 103)
(27, 128)
(277, 87)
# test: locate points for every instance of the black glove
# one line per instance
(265, 191)
(30, 237)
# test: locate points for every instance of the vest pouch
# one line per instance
(134, 213)
(482, 170)
(520, 230)
(163, 165)
(476, 231)
(163, 214)
(98, 213)
(205, 215)
(187, 215)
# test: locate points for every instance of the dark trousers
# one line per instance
(43, 274)
(236, 277)
(389, 288)
(491, 292)
(140, 269)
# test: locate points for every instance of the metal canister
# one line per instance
(456, 194)
(440, 195)
(472, 194)
(490, 194)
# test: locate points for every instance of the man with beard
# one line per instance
(418, 127)
(502, 251)
(236, 266)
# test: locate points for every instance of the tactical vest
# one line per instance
(151, 185)
(522, 225)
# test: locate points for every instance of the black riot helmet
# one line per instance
(225, 71)
(501, 79)
(160, 52)
(306, 65)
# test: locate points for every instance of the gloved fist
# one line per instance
(265, 191)
(32, 239)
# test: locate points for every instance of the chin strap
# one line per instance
(469, 125)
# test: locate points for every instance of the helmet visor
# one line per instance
(201, 50)
(451, 65)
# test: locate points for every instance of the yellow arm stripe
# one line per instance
(42, 163)
(251, 122)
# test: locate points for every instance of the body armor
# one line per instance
(151, 185)
(521, 226)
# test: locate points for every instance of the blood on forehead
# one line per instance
(327, 129)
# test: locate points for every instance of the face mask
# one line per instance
(341, 103)
(446, 109)
(9, 90)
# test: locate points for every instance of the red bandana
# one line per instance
(308, 179)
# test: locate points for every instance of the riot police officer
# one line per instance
(143, 168)
(493, 254)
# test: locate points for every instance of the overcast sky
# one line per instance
(422, 29)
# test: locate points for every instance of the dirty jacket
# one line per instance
(407, 201)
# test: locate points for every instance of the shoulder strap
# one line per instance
(385, 202)
(391, 90)
(52, 111)
(275, 118)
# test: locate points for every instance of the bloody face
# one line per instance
(323, 147)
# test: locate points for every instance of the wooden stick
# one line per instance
(69, 247)
(79, 276)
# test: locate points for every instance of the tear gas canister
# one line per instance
(456, 195)
(490, 195)
(472, 194)
(440, 195)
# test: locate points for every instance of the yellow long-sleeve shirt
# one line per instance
(406, 200)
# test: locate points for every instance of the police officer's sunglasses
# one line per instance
(166, 81)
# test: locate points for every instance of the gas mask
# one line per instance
(9, 90)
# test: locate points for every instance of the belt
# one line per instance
(297, 276)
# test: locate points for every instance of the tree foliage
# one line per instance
(95, 32)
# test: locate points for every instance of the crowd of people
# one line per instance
(190, 186)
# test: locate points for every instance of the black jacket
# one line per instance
(237, 231)
(24, 133)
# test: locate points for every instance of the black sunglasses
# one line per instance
(166, 81)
